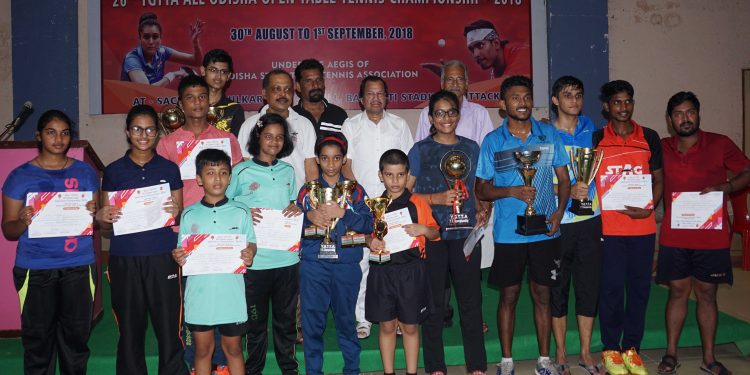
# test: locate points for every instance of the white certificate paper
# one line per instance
(622, 190)
(60, 214)
(188, 150)
(397, 240)
(691, 210)
(471, 241)
(142, 209)
(277, 232)
(213, 253)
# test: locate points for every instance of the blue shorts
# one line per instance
(710, 266)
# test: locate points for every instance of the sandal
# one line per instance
(363, 330)
(562, 368)
(668, 365)
(596, 369)
(716, 365)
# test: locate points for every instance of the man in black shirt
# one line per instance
(310, 86)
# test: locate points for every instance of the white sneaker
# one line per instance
(545, 367)
(505, 368)
(363, 329)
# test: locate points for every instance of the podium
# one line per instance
(14, 154)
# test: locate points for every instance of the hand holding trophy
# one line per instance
(351, 238)
(455, 166)
(378, 206)
(585, 163)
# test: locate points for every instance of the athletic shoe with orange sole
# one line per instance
(612, 360)
(633, 362)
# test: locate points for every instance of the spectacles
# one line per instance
(150, 132)
(223, 72)
(452, 113)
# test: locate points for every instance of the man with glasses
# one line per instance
(370, 134)
(278, 89)
(310, 85)
(216, 70)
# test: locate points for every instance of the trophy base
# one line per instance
(353, 240)
(312, 233)
(379, 258)
(530, 225)
(581, 208)
(458, 222)
(328, 251)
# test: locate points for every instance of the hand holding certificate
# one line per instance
(278, 232)
(397, 239)
(51, 209)
(693, 210)
(141, 209)
(212, 254)
(188, 150)
(621, 190)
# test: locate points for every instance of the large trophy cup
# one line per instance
(378, 206)
(328, 195)
(455, 166)
(351, 238)
(530, 223)
(584, 163)
(171, 119)
(313, 232)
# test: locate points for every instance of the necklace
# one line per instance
(39, 162)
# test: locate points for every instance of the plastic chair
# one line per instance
(741, 223)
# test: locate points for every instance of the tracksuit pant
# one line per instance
(56, 311)
(277, 289)
(324, 286)
(446, 257)
(144, 286)
(627, 262)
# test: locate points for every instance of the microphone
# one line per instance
(25, 112)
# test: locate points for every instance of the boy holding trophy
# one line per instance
(329, 272)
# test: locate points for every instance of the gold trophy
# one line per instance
(328, 195)
(172, 118)
(313, 232)
(530, 223)
(351, 238)
(378, 206)
(455, 167)
(214, 114)
(584, 164)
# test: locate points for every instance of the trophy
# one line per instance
(378, 206)
(584, 164)
(530, 223)
(313, 232)
(328, 195)
(455, 166)
(214, 114)
(351, 238)
(172, 118)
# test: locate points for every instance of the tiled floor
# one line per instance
(734, 300)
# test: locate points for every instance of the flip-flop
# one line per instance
(562, 368)
(596, 369)
(715, 365)
(668, 365)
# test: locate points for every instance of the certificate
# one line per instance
(692, 210)
(60, 214)
(620, 190)
(475, 236)
(397, 240)
(277, 232)
(142, 209)
(188, 150)
(213, 253)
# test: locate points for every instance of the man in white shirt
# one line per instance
(278, 90)
(370, 134)
(475, 122)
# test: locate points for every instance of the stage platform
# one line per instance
(103, 342)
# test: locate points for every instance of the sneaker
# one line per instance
(221, 370)
(545, 367)
(633, 362)
(506, 368)
(613, 362)
(363, 330)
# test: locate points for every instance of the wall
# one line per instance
(664, 46)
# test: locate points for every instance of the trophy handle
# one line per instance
(573, 164)
(597, 164)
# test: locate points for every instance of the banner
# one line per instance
(403, 41)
